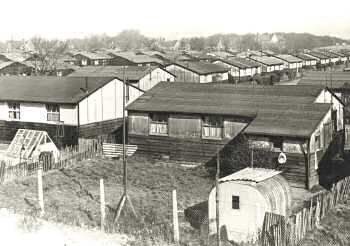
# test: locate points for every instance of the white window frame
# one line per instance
(209, 126)
(14, 110)
(52, 114)
(157, 125)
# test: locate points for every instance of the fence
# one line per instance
(68, 156)
(278, 231)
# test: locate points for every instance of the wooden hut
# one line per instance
(244, 198)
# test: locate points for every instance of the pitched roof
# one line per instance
(331, 80)
(282, 110)
(202, 67)
(50, 89)
(138, 59)
(317, 55)
(305, 57)
(267, 60)
(288, 58)
(132, 73)
(94, 56)
(240, 62)
(14, 56)
(9, 63)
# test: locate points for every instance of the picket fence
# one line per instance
(280, 231)
(86, 149)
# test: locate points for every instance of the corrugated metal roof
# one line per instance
(251, 174)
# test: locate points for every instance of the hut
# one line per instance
(244, 198)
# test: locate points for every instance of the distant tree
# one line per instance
(47, 53)
(197, 43)
(131, 39)
(248, 41)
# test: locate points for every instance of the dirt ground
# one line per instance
(25, 230)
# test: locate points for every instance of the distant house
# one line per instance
(308, 61)
(132, 59)
(191, 122)
(290, 62)
(268, 63)
(221, 54)
(321, 58)
(92, 59)
(342, 58)
(14, 56)
(64, 69)
(15, 68)
(198, 72)
(240, 68)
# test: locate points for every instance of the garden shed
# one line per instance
(244, 198)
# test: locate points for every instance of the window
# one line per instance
(158, 124)
(317, 141)
(127, 93)
(53, 112)
(212, 127)
(14, 111)
(277, 143)
(235, 202)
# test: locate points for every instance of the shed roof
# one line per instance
(202, 67)
(14, 56)
(267, 60)
(251, 174)
(50, 89)
(277, 110)
(317, 55)
(240, 62)
(9, 63)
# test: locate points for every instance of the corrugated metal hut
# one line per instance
(244, 197)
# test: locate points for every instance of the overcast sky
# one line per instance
(171, 19)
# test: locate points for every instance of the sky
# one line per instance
(171, 19)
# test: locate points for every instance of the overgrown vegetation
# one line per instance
(72, 197)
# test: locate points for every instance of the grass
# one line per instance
(334, 229)
(72, 196)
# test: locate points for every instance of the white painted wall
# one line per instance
(36, 112)
(106, 103)
(156, 76)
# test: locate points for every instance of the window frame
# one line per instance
(278, 140)
(205, 123)
(51, 114)
(152, 120)
(14, 108)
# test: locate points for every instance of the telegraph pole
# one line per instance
(217, 197)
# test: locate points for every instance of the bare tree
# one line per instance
(47, 53)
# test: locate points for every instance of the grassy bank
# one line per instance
(72, 196)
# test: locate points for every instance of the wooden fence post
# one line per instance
(175, 218)
(103, 205)
(40, 190)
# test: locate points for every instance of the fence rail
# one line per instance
(290, 231)
(85, 150)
